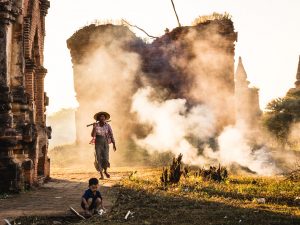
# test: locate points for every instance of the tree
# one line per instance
(281, 114)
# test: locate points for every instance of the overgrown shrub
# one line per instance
(172, 174)
(213, 174)
(214, 16)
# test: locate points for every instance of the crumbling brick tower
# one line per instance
(23, 132)
(176, 61)
(82, 46)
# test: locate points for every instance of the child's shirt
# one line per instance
(89, 194)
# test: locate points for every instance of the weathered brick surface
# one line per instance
(23, 131)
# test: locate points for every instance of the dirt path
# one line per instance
(54, 198)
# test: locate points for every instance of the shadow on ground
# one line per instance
(279, 200)
(155, 209)
(50, 202)
(49, 205)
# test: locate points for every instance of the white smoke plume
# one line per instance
(172, 124)
(198, 108)
(104, 74)
(235, 149)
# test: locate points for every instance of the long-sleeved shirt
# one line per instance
(104, 131)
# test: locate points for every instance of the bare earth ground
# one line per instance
(192, 201)
(54, 198)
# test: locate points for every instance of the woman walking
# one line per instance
(102, 136)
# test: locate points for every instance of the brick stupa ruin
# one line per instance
(23, 132)
(156, 64)
(297, 83)
(247, 98)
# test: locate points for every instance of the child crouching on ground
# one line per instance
(92, 199)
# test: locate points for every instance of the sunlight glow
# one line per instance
(268, 37)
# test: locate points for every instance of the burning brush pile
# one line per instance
(175, 171)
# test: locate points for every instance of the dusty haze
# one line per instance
(173, 95)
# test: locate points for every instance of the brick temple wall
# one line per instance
(23, 132)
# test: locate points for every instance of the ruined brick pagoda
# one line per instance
(247, 98)
(23, 132)
(297, 83)
(158, 68)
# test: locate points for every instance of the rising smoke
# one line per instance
(171, 124)
(178, 127)
(174, 95)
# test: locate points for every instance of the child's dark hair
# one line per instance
(93, 181)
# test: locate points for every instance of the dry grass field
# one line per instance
(238, 200)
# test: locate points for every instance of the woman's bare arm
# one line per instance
(93, 133)
(112, 137)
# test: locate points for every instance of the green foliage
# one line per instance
(231, 198)
(214, 16)
(132, 175)
(281, 114)
(213, 174)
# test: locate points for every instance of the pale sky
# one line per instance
(268, 37)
